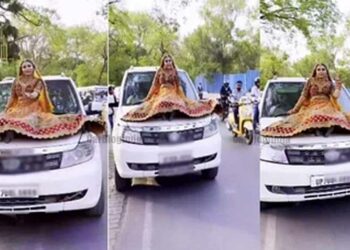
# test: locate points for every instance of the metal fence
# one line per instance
(214, 85)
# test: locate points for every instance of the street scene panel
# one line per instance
(305, 124)
(183, 107)
(53, 125)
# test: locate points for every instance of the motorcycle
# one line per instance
(244, 128)
(225, 104)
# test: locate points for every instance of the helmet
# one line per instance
(257, 79)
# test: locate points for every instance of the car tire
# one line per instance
(98, 210)
(210, 174)
(266, 205)
(121, 184)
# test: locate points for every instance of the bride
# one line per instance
(29, 110)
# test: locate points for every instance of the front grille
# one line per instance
(29, 164)
(318, 157)
(173, 137)
(307, 189)
(41, 200)
(155, 166)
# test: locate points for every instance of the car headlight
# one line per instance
(82, 153)
(131, 136)
(212, 128)
(273, 153)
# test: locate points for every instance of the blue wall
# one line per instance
(218, 79)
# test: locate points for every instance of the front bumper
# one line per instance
(73, 188)
(125, 153)
(295, 182)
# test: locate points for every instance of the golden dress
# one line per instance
(316, 108)
(166, 95)
(33, 117)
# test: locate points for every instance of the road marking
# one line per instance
(147, 226)
(270, 232)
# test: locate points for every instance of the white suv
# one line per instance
(56, 174)
(159, 147)
(303, 167)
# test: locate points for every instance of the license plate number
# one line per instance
(180, 170)
(175, 158)
(321, 180)
(18, 193)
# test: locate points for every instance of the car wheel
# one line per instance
(121, 184)
(266, 205)
(98, 210)
(210, 174)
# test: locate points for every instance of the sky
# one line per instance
(76, 12)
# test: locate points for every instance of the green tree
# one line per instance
(136, 39)
(305, 16)
(219, 45)
(274, 63)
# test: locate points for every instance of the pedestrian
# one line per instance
(112, 103)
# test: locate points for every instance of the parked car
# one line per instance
(94, 99)
(304, 167)
(157, 147)
(51, 175)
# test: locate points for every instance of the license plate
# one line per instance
(180, 170)
(18, 193)
(322, 180)
(175, 158)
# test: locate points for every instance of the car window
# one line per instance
(282, 96)
(63, 97)
(138, 84)
(5, 92)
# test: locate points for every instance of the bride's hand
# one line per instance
(32, 95)
(338, 83)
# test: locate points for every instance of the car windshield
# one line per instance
(101, 95)
(138, 84)
(282, 96)
(61, 92)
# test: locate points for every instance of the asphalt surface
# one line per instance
(61, 231)
(321, 225)
(190, 213)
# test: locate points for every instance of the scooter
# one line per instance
(245, 127)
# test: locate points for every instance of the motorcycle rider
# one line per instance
(256, 93)
(236, 97)
(225, 93)
(200, 91)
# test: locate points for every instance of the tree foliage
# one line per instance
(218, 45)
(306, 16)
(79, 52)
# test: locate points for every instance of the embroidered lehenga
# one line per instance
(316, 108)
(166, 95)
(34, 117)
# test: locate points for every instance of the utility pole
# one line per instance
(3, 48)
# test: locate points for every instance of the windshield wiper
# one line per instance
(281, 114)
(59, 113)
(137, 103)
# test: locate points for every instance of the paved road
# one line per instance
(189, 213)
(64, 231)
(321, 225)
